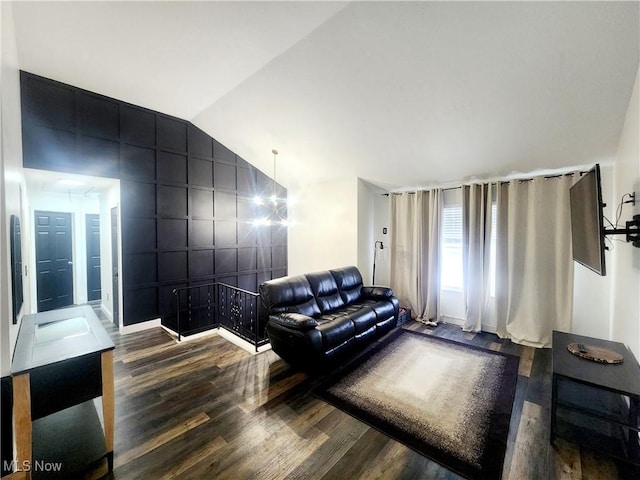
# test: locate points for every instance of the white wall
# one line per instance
(381, 221)
(336, 224)
(12, 184)
(373, 217)
(78, 205)
(325, 230)
(365, 230)
(625, 272)
(591, 292)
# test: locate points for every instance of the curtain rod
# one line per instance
(506, 182)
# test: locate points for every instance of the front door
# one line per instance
(54, 265)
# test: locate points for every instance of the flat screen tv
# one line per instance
(587, 228)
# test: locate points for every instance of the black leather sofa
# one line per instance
(319, 318)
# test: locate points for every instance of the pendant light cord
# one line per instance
(275, 153)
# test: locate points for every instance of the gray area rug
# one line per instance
(447, 400)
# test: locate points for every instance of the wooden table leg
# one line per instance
(22, 419)
(108, 403)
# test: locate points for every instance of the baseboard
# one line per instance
(485, 327)
(106, 312)
(187, 338)
(139, 327)
(452, 320)
(242, 343)
(227, 335)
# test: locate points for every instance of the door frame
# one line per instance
(115, 267)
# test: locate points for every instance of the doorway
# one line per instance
(77, 196)
(54, 265)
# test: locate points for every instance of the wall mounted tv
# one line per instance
(587, 228)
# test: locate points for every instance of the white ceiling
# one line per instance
(41, 181)
(399, 94)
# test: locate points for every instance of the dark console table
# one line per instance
(62, 362)
(594, 404)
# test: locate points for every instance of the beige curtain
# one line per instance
(476, 255)
(533, 262)
(537, 260)
(415, 246)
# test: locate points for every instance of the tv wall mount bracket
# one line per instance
(632, 227)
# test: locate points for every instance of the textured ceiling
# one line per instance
(398, 93)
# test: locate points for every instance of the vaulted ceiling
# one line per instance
(397, 93)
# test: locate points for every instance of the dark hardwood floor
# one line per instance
(205, 409)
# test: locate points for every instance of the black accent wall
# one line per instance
(186, 200)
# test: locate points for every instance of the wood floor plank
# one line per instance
(530, 456)
(526, 361)
(389, 463)
(344, 431)
(147, 352)
(566, 460)
(154, 442)
(166, 458)
(596, 466)
(184, 465)
(146, 381)
(357, 458)
(280, 456)
(514, 424)
(263, 396)
(238, 449)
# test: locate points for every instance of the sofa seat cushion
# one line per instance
(384, 309)
(335, 330)
(362, 316)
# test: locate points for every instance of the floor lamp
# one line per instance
(375, 251)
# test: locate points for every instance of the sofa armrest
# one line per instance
(377, 293)
(296, 321)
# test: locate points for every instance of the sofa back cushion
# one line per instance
(289, 295)
(349, 283)
(325, 289)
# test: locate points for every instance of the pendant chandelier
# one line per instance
(273, 209)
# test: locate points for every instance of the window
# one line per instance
(451, 271)
(492, 252)
(451, 250)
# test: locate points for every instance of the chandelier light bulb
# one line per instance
(261, 222)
